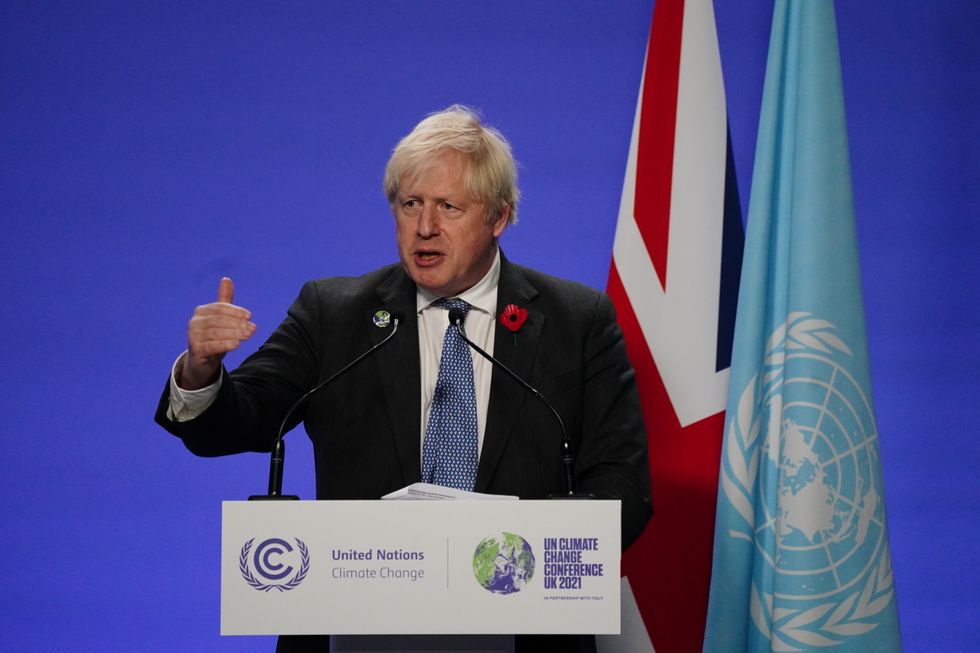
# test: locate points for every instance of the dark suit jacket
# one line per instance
(365, 427)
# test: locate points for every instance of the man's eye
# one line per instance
(447, 206)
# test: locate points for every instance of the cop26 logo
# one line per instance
(276, 564)
(801, 468)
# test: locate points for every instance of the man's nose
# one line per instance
(428, 224)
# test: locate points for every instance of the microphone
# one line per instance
(279, 448)
(456, 318)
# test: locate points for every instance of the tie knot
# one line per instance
(454, 304)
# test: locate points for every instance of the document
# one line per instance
(430, 492)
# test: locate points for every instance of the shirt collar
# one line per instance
(482, 296)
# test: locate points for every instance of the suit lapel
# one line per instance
(506, 396)
(398, 366)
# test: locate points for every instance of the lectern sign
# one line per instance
(420, 567)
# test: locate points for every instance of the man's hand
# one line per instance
(214, 330)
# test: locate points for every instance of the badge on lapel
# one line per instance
(513, 318)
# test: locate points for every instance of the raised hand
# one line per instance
(214, 330)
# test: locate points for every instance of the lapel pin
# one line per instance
(513, 318)
(382, 319)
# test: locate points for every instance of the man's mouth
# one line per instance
(427, 256)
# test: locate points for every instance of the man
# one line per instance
(451, 184)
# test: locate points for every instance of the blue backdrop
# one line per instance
(146, 149)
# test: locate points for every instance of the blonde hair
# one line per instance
(490, 173)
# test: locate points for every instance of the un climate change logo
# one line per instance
(802, 469)
(504, 564)
(271, 561)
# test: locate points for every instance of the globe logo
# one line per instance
(503, 564)
(801, 467)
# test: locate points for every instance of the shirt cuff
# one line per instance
(185, 405)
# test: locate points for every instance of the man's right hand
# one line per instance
(214, 330)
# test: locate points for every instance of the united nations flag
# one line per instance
(801, 560)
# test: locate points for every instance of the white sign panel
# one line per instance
(420, 567)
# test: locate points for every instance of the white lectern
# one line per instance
(420, 567)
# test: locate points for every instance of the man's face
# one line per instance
(444, 241)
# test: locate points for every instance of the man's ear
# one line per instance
(501, 222)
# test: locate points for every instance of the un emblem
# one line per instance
(803, 471)
(275, 564)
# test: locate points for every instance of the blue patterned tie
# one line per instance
(449, 451)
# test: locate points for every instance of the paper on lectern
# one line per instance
(430, 492)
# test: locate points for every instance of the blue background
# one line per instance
(146, 149)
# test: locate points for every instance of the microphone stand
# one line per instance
(279, 447)
(456, 318)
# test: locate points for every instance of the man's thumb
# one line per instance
(226, 290)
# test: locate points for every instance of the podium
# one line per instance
(420, 567)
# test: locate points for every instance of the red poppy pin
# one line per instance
(513, 317)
